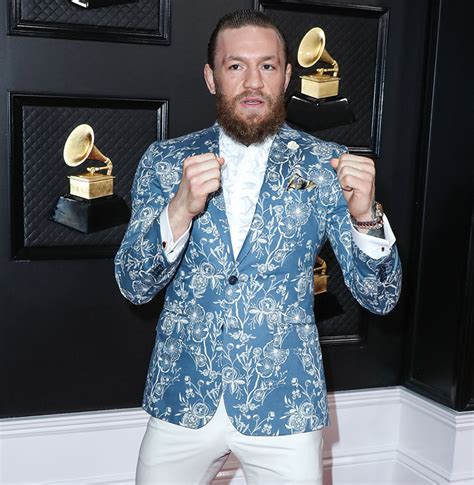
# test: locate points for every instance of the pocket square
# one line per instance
(297, 182)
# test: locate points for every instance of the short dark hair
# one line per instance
(243, 18)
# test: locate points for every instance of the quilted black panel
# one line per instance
(341, 312)
(142, 14)
(121, 133)
(352, 38)
(142, 21)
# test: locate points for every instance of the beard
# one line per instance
(253, 128)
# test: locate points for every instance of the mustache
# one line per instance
(250, 93)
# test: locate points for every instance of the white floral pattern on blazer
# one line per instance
(252, 337)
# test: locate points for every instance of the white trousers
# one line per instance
(172, 454)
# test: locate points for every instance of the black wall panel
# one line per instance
(70, 342)
(125, 20)
(356, 37)
(441, 362)
(39, 127)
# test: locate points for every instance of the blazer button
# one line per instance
(233, 279)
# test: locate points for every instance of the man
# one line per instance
(231, 218)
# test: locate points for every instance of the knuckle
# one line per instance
(192, 171)
(186, 170)
(367, 176)
(193, 184)
(188, 161)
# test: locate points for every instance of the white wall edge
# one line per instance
(438, 426)
(72, 422)
(452, 418)
(364, 397)
(384, 443)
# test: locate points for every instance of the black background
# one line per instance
(70, 342)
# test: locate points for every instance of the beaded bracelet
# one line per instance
(375, 223)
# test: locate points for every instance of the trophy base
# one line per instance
(90, 215)
(91, 186)
(313, 114)
(319, 86)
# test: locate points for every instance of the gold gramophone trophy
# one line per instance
(320, 276)
(78, 148)
(326, 303)
(91, 204)
(318, 105)
(324, 82)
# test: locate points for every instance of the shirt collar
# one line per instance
(228, 144)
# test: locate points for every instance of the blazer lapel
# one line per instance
(282, 163)
(216, 203)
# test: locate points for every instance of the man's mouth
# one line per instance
(252, 101)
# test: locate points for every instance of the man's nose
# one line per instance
(253, 78)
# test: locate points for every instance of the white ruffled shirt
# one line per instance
(242, 177)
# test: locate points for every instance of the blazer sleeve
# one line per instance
(374, 283)
(141, 266)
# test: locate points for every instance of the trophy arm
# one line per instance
(108, 167)
(334, 69)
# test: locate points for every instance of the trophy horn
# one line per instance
(80, 147)
(312, 49)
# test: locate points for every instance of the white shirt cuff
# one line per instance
(172, 248)
(375, 247)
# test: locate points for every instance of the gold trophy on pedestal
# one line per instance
(78, 148)
(324, 82)
(320, 276)
(326, 302)
(318, 106)
(91, 204)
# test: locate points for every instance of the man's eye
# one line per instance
(234, 67)
(268, 67)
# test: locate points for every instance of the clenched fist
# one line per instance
(356, 175)
(201, 177)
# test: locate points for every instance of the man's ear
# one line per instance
(209, 78)
(287, 75)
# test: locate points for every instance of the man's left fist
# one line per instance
(356, 175)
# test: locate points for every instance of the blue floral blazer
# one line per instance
(245, 327)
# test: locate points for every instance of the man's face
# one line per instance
(249, 79)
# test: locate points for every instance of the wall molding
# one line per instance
(388, 435)
(72, 423)
(437, 439)
(70, 22)
(380, 16)
(39, 127)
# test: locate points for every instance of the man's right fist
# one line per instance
(201, 177)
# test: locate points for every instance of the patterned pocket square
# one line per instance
(297, 182)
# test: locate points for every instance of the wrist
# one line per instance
(373, 220)
(367, 216)
(177, 208)
(179, 218)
